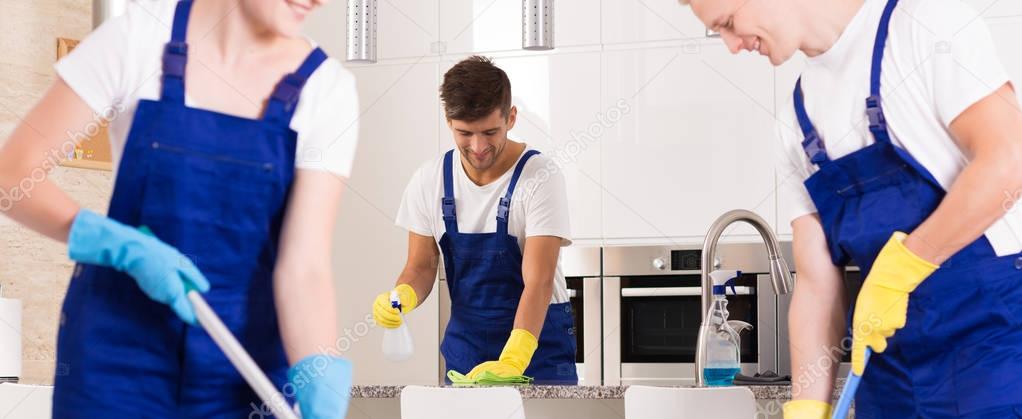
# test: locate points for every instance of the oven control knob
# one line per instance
(659, 264)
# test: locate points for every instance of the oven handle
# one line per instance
(678, 291)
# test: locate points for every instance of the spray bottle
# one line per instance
(722, 351)
(397, 343)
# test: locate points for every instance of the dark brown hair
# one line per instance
(473, 88)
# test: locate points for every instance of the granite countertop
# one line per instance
(764, 392)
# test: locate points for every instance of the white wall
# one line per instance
(658, 129)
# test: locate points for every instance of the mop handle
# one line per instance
(240, 358)
(848, 392)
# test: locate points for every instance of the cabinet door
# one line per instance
(481, 26)
(407, 28)
(1006, 33)
(996, 8)
(785, 77)
(627, 21)
(559, 113)
(696, 143)
(397, 134)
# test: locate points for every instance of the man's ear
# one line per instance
(512, 116)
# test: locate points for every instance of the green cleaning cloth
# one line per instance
(488, 379)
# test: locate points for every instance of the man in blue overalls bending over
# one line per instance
(497, 211)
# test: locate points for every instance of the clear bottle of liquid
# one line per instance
(397, 343)
(722, 352)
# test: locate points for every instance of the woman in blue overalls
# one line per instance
(948, 338)
(214, 192)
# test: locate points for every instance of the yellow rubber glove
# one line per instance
(806, 409)
(388, 316)
(881, 307)
(515, 357)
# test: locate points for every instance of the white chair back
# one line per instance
(25, 401)
(419, 402)
(644, 402)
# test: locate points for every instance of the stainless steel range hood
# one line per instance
(106, 9)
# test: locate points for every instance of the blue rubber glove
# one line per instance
(163, 273)
(322, 385)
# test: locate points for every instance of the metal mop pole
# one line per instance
(240, 358)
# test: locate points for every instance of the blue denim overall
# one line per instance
(484, 276)
(960, 352)
(215, 187)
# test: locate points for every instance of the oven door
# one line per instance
(586, 304)
(657, 321)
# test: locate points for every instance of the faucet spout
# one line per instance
(780, 275)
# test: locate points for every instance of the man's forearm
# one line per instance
(981, 195)
(533, 306)
(420, 279)
(815, 345)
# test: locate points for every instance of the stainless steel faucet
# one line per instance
(779, 272)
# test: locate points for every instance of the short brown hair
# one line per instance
(473, 88)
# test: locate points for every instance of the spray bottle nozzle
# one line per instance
(395, 300)
(723, 279)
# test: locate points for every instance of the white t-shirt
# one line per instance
(539, 205)
(940, 59)
(120, 63)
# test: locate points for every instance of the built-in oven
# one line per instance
(653, 310)
(582, 271)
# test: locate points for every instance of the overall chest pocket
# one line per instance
(218, 209)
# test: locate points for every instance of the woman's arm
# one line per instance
(990, 134)
(816, 318)
(26, 193)
(303, 284)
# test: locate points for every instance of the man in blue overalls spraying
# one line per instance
(904, 141)
(497, 211)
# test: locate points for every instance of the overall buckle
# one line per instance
(289, 90)
(503, 209)
(875, 113)
(175, 57)
(448, 208)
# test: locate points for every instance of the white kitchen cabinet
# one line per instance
(996, 8)
(697, 141)
(785, 77)
(481, 26)
(627, 21)
(396, 137)
(1006, 33)
(558, 101)
(407, 28)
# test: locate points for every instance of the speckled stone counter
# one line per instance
(771, 392)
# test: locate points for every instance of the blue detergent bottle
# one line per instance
(723, 357)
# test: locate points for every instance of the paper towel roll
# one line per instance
(10, 337)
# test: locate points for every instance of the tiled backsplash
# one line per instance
(33, 268)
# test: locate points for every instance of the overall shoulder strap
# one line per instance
(812, 143)
(504, 208)
(447, 202)
(281, 106)
(175, 55)
(874, 105)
